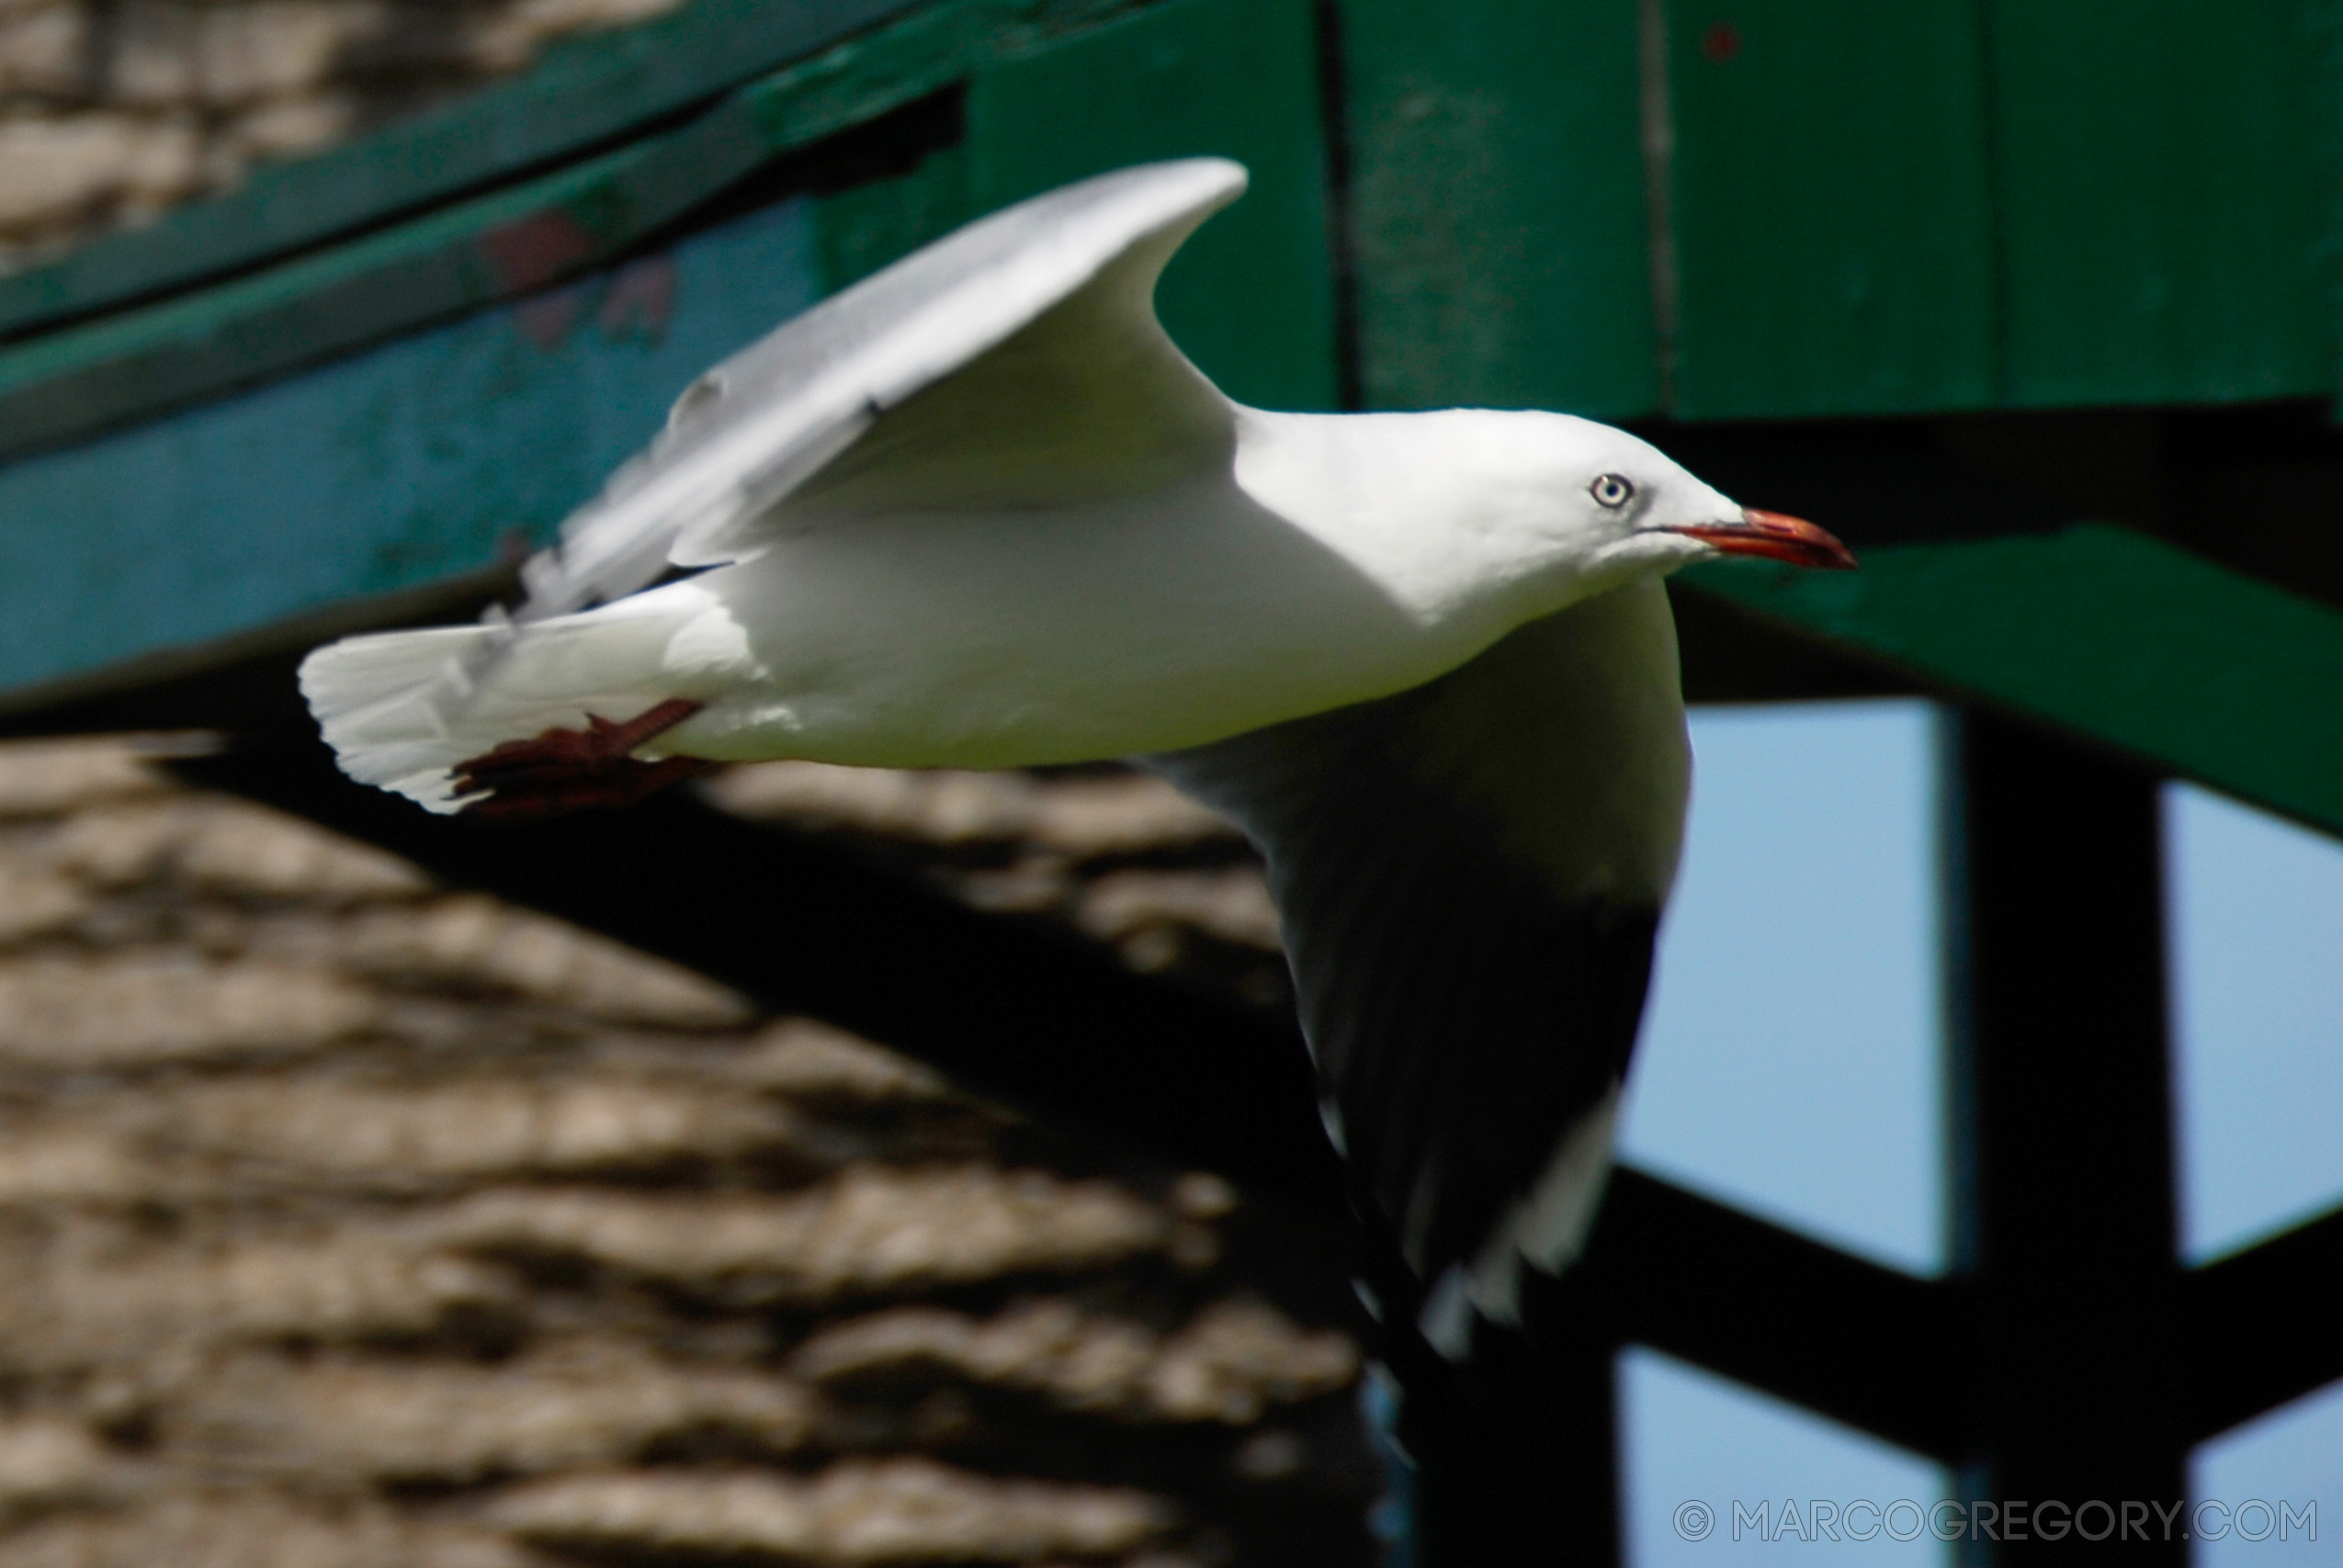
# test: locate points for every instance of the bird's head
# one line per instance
(1626, 507)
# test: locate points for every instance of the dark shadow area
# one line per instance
(2258, 487)
(1003, 1009)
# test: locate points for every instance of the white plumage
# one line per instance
(978, 511)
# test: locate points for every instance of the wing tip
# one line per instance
(1200, 184)
(1220, 180)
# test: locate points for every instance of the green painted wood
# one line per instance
(1498, 224)
(1250, 297)
(406, 465)
(1830, 208)
(584, 92)
(135, 364)
(863, 229)
(2198, 670)
(65, 385)
(2156, 186)
(2322, 64)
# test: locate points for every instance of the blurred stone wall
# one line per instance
(113, 110)
(350, 1222)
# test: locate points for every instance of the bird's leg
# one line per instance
(567, 769)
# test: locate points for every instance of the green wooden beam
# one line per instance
(1250, 299)
(138, 363)
(417, 458)
(2322, 50)
(586, 92)
(1831, 208)
(1497, 220)
(2196, 670)
(2157, 187)
(412, 462)
(1847, 237)
(120, 368)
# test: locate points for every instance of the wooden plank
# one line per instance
(1706, 1283)
(396, 468)
(863, 229)
(2323, 72)
(69, 384)
(1830, 208)
(2261, 1328)
(1498, 212)
(2157, 191)
(2196, 670)
(1250, 297)
(2058, 1085)
(582, 93)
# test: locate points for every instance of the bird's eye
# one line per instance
(1613, 490)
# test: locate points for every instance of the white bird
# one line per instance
(978, 511)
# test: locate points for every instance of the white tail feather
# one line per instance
(402, 709)
(383, 704)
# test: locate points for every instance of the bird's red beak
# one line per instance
(1777, 537)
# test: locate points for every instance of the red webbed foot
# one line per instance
(570, 770)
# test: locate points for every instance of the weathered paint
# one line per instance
(2322, 52)
(2157, 202)
(1851, 288)
(1871, 210)
(1830, 205)
(399, 467)
(137, 363)
(863, 229)
(581, 94)
(2197, 670)
(1498, 210)
(1250, 297)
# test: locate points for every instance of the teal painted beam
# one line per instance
(407, 465)
(119, 369)
(138, 363)
(419, 454)
(2196, 670)
(584, 93)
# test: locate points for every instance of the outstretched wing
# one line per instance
(1470, 875)
(1018, 361)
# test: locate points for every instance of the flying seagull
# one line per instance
(978, 511)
